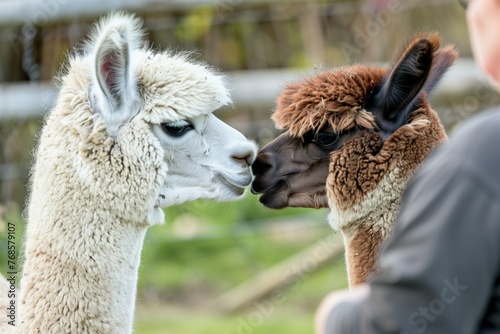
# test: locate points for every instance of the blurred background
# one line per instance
(233, 267)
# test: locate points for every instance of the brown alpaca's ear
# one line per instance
(418, 69)
(442, 61)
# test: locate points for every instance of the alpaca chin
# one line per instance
(334, 218)
(156, 216)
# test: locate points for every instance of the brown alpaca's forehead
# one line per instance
(333, 99)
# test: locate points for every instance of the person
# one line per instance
(440, 270)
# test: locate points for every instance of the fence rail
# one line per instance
(16, 12)
(257, 88)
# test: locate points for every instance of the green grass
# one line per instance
(293, 314)
(194, 272)
(203, 324)
(232, 242)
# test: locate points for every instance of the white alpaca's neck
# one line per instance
(90, 206)
(80, 274)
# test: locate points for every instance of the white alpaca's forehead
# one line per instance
(174, 88)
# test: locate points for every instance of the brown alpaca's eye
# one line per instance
(325, 139)
(176, 130)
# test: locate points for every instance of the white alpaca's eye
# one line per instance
(176, 130)
(325, 139)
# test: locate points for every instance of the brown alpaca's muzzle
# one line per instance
(291, 173)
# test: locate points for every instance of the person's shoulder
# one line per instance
(478, 137)
(473, 151)
(474, 148)
(482, 127)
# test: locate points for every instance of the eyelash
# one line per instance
(321, 138)
(176, 131)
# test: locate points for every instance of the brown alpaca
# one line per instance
(354, 137)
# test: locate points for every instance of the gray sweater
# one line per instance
(440, 271)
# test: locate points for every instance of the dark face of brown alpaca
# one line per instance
(292, 171)
(358, 105)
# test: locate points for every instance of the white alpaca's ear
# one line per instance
(115, 82)
(112, 65)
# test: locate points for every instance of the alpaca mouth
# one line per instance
(236, 186)
(260, 186)
(273, 197)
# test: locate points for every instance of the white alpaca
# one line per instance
(132, 132)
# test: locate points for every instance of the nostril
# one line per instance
(262, 163)
(244, 157)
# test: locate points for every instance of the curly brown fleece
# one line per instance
(332, 99)
(365, 183)
(358, 167)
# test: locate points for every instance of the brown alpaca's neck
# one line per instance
(362, 245)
